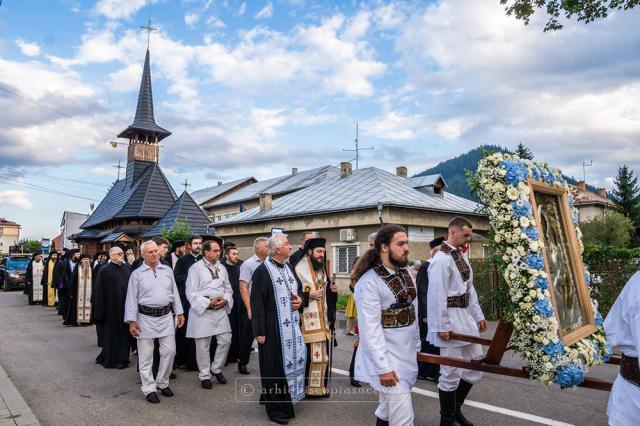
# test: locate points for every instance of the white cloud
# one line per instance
(242, 9)
(191, 19)
(393, 125)
(266, 12)
(119, 9)
(28, 48)
(126, 79)
(215, 22)
(15, 198)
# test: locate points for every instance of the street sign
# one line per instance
(46, 245)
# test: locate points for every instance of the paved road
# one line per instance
(53, 367)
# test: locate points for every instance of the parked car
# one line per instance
(12, 271)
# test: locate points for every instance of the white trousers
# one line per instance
(450, 376)
(396, 408)
(203, 356)
(145, 362)
(624, 403)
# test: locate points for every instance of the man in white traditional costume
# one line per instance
(319, 298)
(211, 298)
(389, 338)
(276, 325)
(452, 306)
(622, 326)
(152, 301)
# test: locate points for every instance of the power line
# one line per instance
(18, 171)
(44, 189)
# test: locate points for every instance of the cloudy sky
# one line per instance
(254, 88)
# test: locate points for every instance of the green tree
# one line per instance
(626, 194)
(30, 246)
(613, 229)
(523, 152)
(180, 231)
(584, 10)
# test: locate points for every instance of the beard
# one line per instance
(400, 263)
(317, 265)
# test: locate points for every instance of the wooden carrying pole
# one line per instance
(491, 361)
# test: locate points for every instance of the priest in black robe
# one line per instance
(47, 282)
(64, 294)
(101, 259)
(426, 370)
(231, 263)
(81, 284)
(276, 324)
(186, 347)
(108, 310)
(33, 278)
(58, 274)
(299, 254)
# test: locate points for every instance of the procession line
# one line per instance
(483, 406)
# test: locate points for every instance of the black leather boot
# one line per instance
(461, 394)
(447, 408)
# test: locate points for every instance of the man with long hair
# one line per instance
(452, 306)
(389, 340)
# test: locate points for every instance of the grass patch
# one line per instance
(342, 302)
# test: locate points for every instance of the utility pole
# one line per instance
(584, 169)
(357, 150)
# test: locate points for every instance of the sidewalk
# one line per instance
(14, 411)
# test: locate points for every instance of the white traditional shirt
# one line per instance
(206, 281)
(155, 289)
(622, 326)
(247, 269)
(445, 281)
(383, 350)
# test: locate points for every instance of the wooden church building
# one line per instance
(143, 203)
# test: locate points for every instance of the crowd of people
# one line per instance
(169, 306)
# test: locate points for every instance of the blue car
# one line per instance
(12, 272)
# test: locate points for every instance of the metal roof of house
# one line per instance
(184, 209)
(144, 121)
(365, 188)
(281, 184)
(112, 237)
(150, 196)
(428, 180)
(201, 196)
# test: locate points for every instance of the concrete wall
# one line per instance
(9, 236)
(590, 212)
(72, 222)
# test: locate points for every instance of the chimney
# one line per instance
(294, 171)
(602, 193)
(401, 171)
(219, 182)
(265, 201)
(345, 169)
(581, 186)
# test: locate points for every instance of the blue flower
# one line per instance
(544, 308)
(570, 375)
(522, 209)
(587, 277)
(548, 177)
(531, 232)
(535, 173)
(571, 200)
(576, 217)
(608, 350)
(516, 172)
(534, 261)
(554, 350)
(542, 283)
(599, 319)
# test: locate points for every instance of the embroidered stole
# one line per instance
(292, 344)
(314, 326)
(51, 292)
(84, 295)
(400, 284)
(36, 275)
(461, 264)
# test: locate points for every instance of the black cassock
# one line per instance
(425, 369)
(185, 347)
(233, 271)
(28, 288)
(98, 324)
(264, 320)
(71, 317)
(64, 295)
(108, 310)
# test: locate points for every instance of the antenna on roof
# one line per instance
(584, 169)
(358, 149)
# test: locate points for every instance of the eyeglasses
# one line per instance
(118, 254)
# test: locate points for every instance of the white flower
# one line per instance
(524, 222)
(512, 193)
(534, 246)
(502, 172)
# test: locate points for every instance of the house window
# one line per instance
(346, 258)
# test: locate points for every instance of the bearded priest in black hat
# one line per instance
(79, 298)
(319, 297)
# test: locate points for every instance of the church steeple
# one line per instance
(143, 134)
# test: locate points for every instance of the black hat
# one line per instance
(72, 252)
(176, 244)
(435, 243)
(84, 256)
(102, 253)
(312, 243)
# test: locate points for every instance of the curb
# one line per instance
(13, 408)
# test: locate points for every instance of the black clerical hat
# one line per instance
(314, 243)
(176, 244)
(437, 242)
(84, 256)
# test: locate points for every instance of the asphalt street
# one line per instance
(53, 368)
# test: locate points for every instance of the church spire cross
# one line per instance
(186, 184)
(148, 28)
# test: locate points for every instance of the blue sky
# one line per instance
(256, 88)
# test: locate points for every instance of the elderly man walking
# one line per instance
(152, 301)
